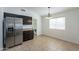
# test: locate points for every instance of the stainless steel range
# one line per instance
(13, 34)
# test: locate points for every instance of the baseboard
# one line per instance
(39, 35)
(51, 37)
(59, 39)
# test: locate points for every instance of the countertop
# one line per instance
(27, 29)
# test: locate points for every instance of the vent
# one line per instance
(23, 10)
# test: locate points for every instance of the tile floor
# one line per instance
(43, 43)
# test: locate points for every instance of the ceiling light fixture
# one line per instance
(49, 14)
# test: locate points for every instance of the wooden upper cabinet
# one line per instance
(27, 20)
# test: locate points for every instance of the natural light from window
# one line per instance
(57, 23)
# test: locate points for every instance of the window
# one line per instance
(57, 23)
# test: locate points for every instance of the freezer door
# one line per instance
(18, 31)
(9, 24)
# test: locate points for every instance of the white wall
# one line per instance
(18, 11)
(1, 29)
(71, 32)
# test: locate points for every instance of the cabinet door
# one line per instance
(27, 20)
(28, 35)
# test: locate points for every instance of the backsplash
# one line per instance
(27, 26)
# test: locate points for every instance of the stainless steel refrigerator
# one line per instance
(13, 34)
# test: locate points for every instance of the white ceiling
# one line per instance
(44, 10)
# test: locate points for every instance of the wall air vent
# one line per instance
(23, 10)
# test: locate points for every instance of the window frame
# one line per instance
(55, 28)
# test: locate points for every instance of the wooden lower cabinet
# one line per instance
(28, 35)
